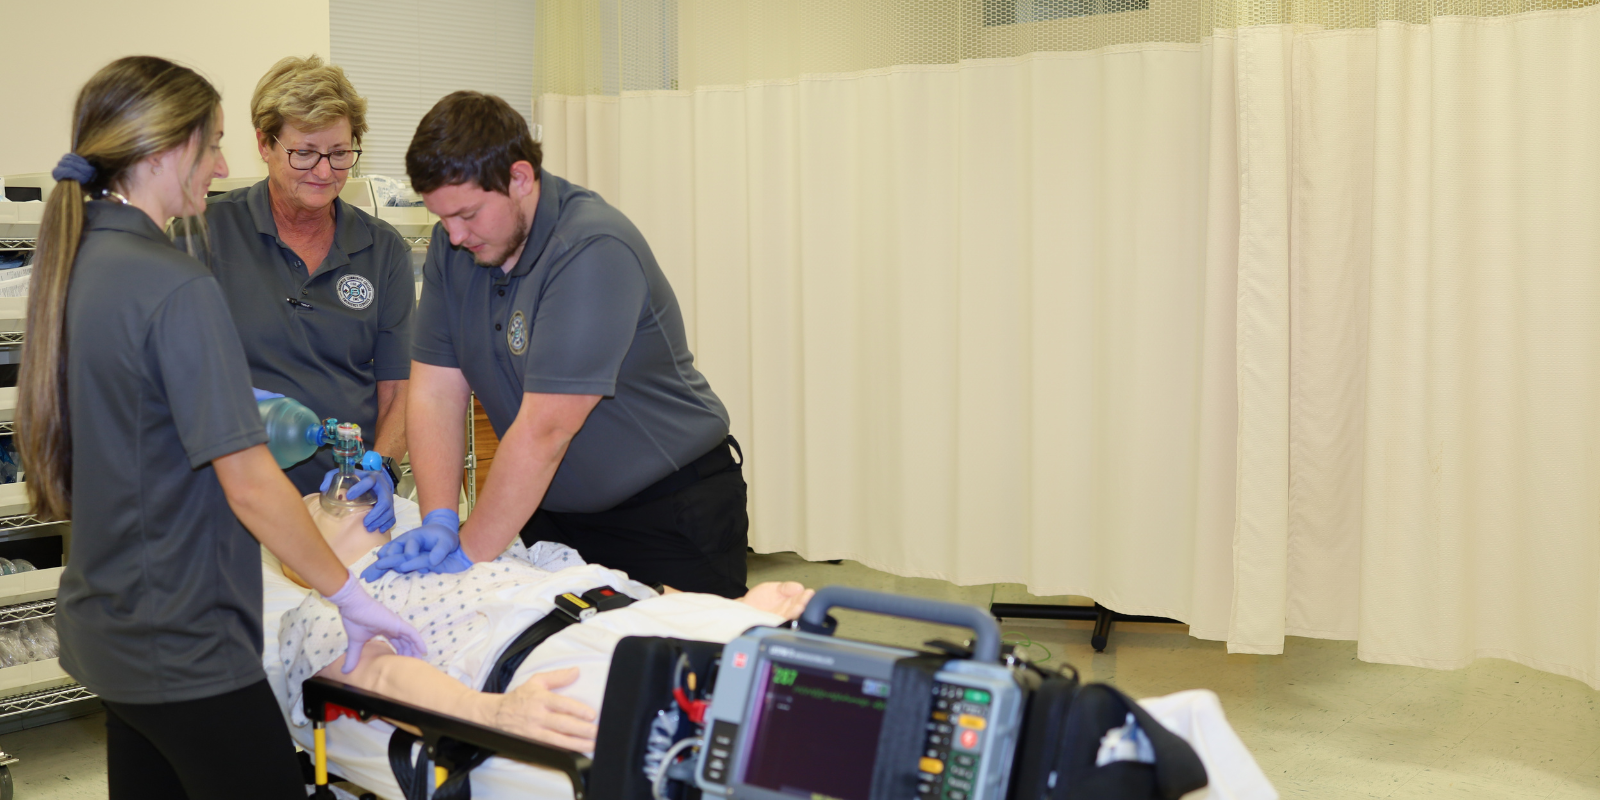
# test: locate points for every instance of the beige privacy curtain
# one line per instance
(966, 311)
(1444, 380)
(1276, 320)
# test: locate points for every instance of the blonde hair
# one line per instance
(308, 94)
(132, 109)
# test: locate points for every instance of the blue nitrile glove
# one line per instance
(428, 548)
(263, 394)
(457, 561)
(365, 618)
(381, 517)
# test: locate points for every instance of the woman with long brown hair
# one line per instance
(136, 421)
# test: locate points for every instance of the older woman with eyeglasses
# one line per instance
(321, 291)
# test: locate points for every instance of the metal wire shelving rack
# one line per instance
(53, 693)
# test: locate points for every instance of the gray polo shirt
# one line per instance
(586, 310)
(161, 598)
(350, 328)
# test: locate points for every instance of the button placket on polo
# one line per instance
(499, 299)
(499, 311)
(298, 279)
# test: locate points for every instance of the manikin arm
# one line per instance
(534, 709)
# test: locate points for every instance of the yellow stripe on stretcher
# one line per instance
(321, 736)
(576, 600)
(439, 774)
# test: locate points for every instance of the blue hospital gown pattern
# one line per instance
(445, 609)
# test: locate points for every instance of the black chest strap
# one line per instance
(570, 609)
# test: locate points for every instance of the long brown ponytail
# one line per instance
(132, 109)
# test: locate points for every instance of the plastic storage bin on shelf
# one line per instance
(13, 314)
(34, 677)
(23, 596)
(413, 222)
(13, 499)
(26, 587)
(20, 220)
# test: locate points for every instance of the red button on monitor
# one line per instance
(969, 739)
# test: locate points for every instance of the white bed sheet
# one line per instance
(359, 751)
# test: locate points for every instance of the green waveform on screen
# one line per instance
(839, 697)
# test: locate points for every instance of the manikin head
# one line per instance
(476, 165)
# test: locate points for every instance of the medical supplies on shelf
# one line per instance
(28, 641)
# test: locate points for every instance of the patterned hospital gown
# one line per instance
(464, 618)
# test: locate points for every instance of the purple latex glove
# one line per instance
(263, 394)
(365, 618)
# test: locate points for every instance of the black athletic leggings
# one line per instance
(234, 745)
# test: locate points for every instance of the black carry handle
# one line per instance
(986, 645)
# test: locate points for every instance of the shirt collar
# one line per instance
(110, 215)
(545, 216)
(348, 237)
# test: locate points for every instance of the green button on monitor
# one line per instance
(978, 696)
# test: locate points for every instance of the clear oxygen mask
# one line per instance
(347, 453)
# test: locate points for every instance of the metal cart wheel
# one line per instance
(5, 783)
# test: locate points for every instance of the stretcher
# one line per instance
(648, 749)
(358, 751)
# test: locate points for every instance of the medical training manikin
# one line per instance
(466, 618)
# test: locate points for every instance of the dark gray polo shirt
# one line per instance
(586, 310)
(356, 331)
(161, 598)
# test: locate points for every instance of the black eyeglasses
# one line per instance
(308, 159)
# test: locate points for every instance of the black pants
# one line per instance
(233, 746)
(688, 531)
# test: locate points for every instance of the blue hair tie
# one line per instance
(73, 167)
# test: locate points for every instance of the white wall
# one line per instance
(52, 46)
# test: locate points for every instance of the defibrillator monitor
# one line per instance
(802, 715)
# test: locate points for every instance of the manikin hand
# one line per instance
(535, 711)
(365, 618)
(786, 599)
(378, 483)
(433, 547)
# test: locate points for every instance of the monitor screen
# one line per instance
(815, 732)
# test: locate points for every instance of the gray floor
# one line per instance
(1321, 723)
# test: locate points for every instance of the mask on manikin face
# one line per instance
(347, 454)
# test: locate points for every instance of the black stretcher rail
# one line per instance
(325, 699)
(1102, 617)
